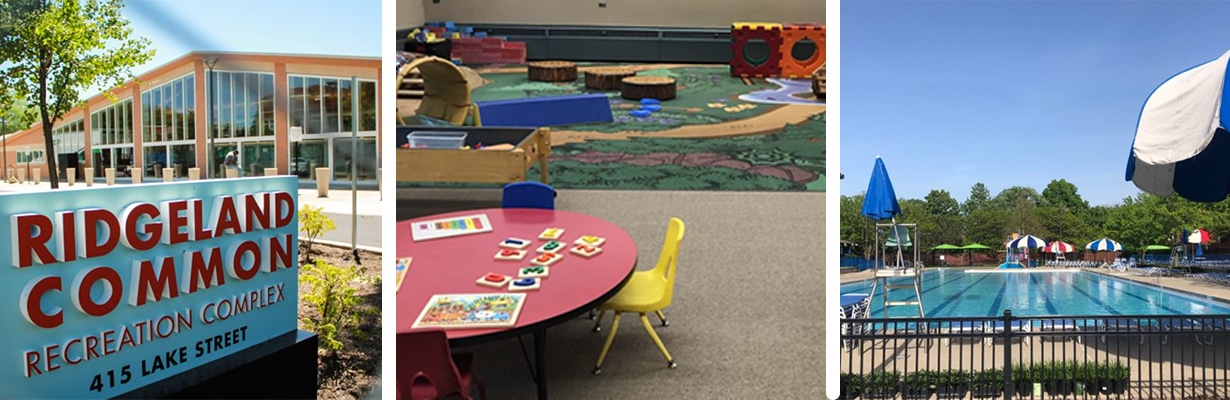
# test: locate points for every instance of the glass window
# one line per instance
(329, 100)
(343, 157)
(146, 120)
(266, 100)
(239, 104)
(224, 105)
(183, 156)
(312, 109)
(256, 156)
(347, 109)
(367, 105)
(177, 107)
(190, 108)
(297, 98)
(308, 155)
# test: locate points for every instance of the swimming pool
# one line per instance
(956, 293)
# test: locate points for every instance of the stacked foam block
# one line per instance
(474, 48)
(780, 40)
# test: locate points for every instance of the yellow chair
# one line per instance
(647, 291)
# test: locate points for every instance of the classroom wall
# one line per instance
(660, 13)
(409, 13)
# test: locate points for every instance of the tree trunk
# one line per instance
(653, 87)
(553, 71)
(49, 150)
(608, 78)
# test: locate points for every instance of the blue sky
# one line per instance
(951, 93)
(328, 27)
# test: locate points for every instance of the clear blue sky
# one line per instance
(326, 27)
(951, 93)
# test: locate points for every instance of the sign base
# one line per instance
(280, 368)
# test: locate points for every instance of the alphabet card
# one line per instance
(403, 266)
(534, 272)
(524, 284)
(590, 240)
(551, 247)
(494, 280)
(510, 255)
(551, 234)
(449, 227)
(546, 259)
(515, 243)
(585, 250)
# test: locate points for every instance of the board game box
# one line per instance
(465, 311)
(449, 227)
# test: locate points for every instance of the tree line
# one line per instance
(1057, 213)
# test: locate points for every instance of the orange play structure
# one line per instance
(781, 40)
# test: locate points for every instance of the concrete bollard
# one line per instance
(89, 176)
(21, 176)
(231, 173)
(168, 174)
(110, 173)
(38, 176)
(194, 174)
(72, 175)
(271, 171)
(322, 182)
(136, 178)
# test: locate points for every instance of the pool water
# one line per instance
(956, 293)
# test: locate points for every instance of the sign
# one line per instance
(111, 289)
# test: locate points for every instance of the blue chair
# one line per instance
(529, 195)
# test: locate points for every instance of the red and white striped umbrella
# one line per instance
(1059, 247)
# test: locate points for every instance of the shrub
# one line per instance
(313, 222)
(335, 299)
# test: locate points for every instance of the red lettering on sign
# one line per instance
(202, 273)
(238, 252)
(32, 232)
(284, 209)
(113, 289)
(257, 210)
(174, 219)
(196, 221)
(151, 285)
(108, 232)
(66, 241)
(31, 302)
(133, 238)
(225, 217)
(279, 254)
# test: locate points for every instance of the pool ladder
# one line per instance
(915, 275)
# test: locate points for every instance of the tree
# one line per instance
(63, 47)
(978, 198)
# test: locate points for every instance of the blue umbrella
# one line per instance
(880, 202)
(1181, 144)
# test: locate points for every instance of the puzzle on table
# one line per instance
(403, 266)
(525, 284)
(515, 243)
(551, 234)
(590, 240)
(510, 254)
(463, 311)
(585, 250)
(551, 247)
(449, 227)
(546, 259)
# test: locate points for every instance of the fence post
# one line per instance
(1009, 387)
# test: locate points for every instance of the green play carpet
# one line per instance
(705, 139)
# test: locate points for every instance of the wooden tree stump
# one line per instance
(553, 71)
(653, 87)
(818, 82)
(607, 78)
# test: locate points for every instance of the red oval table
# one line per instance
(574, 286)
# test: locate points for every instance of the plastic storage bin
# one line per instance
(436, 140)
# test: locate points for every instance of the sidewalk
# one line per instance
(337, 205)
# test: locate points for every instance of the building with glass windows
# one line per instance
(290, 112)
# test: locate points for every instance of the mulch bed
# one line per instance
(352, 372)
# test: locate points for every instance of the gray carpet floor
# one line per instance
(747, 320)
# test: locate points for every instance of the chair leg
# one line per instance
(662, 318)
(610, 337)
(592, 314)
(598, 321)
(482, 391)
(658, 341)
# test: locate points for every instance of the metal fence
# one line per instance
(1082, 357)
